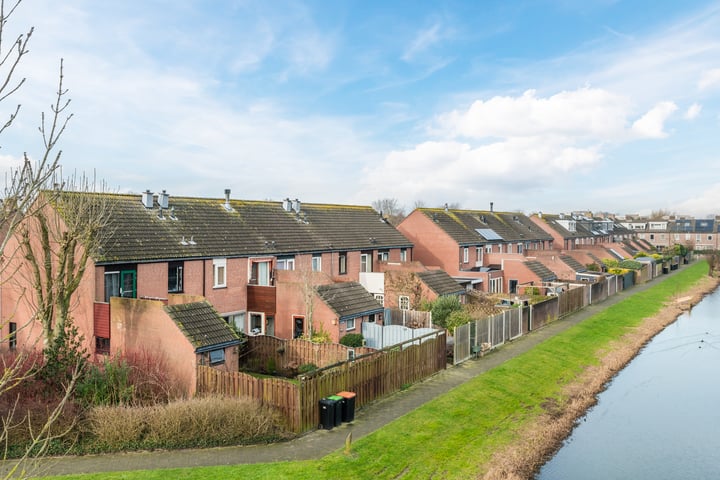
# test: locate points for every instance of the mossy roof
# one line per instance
(203, 228)
(466, 226)
(440, 282)
(348, 300)
(203, 326)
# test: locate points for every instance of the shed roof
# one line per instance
(440, 282)
(203, 326)
(348, 300)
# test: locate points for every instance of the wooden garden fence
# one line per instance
(370, 376)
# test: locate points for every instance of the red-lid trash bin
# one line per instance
(348, 407)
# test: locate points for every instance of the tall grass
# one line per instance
(455, 435)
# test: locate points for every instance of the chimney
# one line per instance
(147, 199)
(227, 200)
(296, 205)
(164, 199)
(491, 206)
(287, 205)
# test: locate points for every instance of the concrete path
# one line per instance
(321, 442)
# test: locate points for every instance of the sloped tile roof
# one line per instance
(545, 274)
(574, 264)
(202, 325)
(440, 282)
(463, 225)
(204, 228)
(348, 299)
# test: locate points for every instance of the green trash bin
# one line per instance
(348, 406)
(337, 419)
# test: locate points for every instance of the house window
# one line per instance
(260, 273)
(285, 263)
(350, 324)
(365, 262)
(509, 248)
(316, 263)
(175, 277)
(380, 298)
(652, 236)
(709, 237)
(219, 272)
(404, 302)
(466, 254)
(697, 238)
(519, 248)
(121, 283)
(478, 254)
(102, 345)
(217, 357)
(488, 248)
(12, 335)
(383, 256)
(688, 236)
(342, 263)
(677, 237)
(496, 285)
(299, 326)
(403, 254)
(257, 326)
(236, 320)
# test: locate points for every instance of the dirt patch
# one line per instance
(539, 440)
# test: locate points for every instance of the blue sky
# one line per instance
(534, 105)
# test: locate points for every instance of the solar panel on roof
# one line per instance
(488, 234)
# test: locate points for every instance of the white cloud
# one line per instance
(705, 203)
(709, 79)
(652, 124)
(693, 111)
(586, 113)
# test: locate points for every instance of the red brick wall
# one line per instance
(432, 246)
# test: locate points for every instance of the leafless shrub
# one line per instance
(210, 420)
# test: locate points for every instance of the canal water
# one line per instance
(660, 416)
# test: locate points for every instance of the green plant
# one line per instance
(306, 368)
(443, 307)
(352, 340)
(63, 356)
(456, 319)
(106, 384)
(270, 365)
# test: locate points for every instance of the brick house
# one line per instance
(482, 250)
(243, 257)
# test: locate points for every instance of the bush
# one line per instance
(443, 307)
(352, 340)
(106, 384)
(199, 422)
(457, 318)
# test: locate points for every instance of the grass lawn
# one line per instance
(454, 435)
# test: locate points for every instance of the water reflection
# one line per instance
(660, 416)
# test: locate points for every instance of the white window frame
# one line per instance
(383, 256)
(404, 302)
(285, 264)
(466, 255)
(380, 298)
(488, 248)
(219, 272)
(264, 280)
(317, 263)
(349, 324)
(365, 262)
(403, 254)
(519, 248)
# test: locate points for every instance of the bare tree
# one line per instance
(20, 198)
(391, 209)
(56, 242)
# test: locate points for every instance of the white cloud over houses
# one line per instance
(693, 111)
(709, 79)
(519, 143)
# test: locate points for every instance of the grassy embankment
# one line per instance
(455, 435)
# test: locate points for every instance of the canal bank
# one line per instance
(540, 439)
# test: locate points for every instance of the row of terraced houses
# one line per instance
(182, 276)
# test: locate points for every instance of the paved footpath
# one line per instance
(319, 443)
